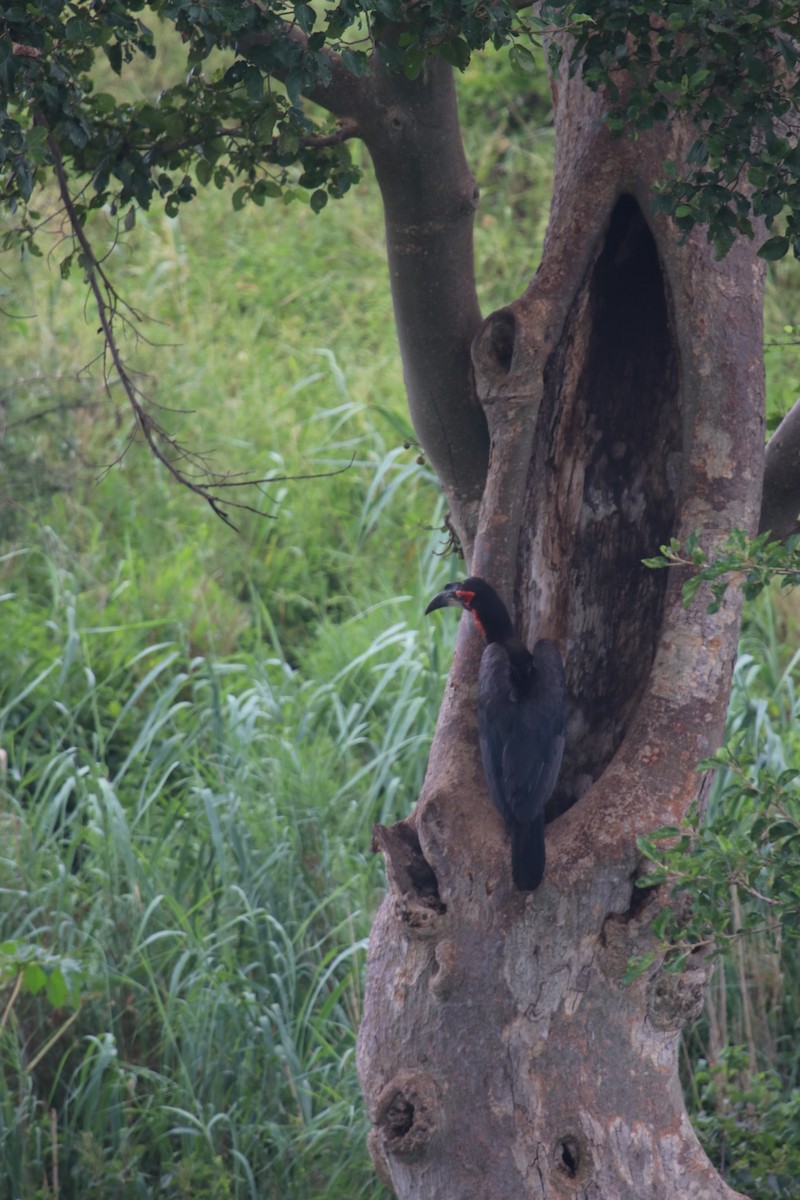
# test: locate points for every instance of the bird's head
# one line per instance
(477, 597)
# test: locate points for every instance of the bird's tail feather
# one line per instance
(527, 854)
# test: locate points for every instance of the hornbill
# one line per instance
(521, 716)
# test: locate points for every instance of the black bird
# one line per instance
(521, 716)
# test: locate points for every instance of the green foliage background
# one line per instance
(201, 728)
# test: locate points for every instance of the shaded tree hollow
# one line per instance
(612, 401)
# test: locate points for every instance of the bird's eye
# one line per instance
(466, 598)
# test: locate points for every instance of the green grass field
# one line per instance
(201, 727)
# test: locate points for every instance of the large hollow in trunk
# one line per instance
(609, 447)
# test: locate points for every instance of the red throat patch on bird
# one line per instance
(468, 599)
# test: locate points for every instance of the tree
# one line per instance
(614, 406)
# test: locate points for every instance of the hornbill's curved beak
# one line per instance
(446, 597)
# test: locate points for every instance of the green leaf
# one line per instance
(690, 589)
(305, 17)
(662, 922)
(664, 831)
(56, 989)
(33, 978)
(253, 82)
(637, 965)
(267, 187)
(78, 29)
(522, 59)
(356, 61)
(774, 248)
(102, 102)
(204, 171)
(456, 53)
(413, 62)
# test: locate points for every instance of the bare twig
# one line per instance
(10, 1004)
(12, 316)
(51, 1041)
(194, 472)
(54, 410)
(346, 129)
(55, 1185)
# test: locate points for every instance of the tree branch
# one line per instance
(780, 503)
(345, 130)
(430, 199)
(345, 95)
(412, 132)
(165, 448)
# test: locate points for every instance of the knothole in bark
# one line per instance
(567, 1156)
(411, 879)
(502, 335)
(406, 1115)
(493, 352)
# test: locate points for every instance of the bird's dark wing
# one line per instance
(497, 714)
(521, 727)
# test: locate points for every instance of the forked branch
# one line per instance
(343, 95)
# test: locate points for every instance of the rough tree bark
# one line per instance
(500, 1054)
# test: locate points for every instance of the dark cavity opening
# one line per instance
(615, 384)
(568, 1156)
(503, 332)
(413, 873)
(399, 1118)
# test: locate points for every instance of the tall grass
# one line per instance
(187, 846)
(740, 1065)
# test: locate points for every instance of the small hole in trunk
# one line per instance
(400, 1118)
(568, 1156)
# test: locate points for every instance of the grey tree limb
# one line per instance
(412, 132)
(430, 199)
(780, 503)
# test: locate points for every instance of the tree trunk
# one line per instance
(500, 1052)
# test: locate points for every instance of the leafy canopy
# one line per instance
(239, 116)
(223, 119)
(735, 68)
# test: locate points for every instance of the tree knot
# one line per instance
(407, 1114)
(411, 878)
